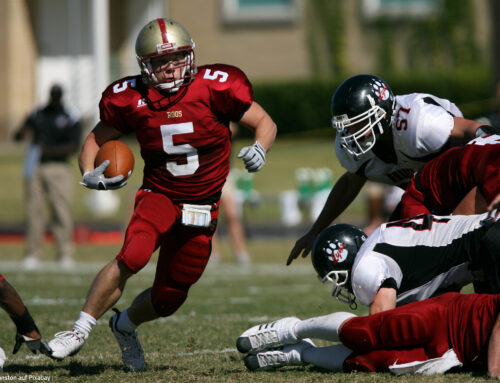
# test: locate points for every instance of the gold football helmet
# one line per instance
(162, 37)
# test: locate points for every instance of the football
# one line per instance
(121, 159)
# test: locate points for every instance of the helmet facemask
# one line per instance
(186, 64)
(365, 137)
(341, 292)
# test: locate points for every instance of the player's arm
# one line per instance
(342, 194)
(257, 119)
(384, 300)
(94, 178)
(494, 351)
(27, 331)
(466, 130)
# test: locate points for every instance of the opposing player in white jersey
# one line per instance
(384, 138)
(408, 260)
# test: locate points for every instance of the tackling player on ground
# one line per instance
(180, 115)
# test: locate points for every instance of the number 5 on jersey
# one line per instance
(191, 153)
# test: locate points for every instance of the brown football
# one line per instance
(121, 159)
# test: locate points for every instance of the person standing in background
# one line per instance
(234, 222)
(55, 133)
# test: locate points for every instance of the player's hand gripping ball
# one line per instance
(114, 163)
(120, 157)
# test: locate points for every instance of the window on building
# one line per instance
(261, 11)
(395, 8)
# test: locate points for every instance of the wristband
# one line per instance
(24, 323)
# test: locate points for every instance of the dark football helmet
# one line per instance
(333, 255)
(362, 108)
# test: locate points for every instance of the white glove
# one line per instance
(95, 179)
(253, 156)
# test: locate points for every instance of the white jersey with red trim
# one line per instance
(421, 127)
(421, 255)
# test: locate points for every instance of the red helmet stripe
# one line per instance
(163, 29)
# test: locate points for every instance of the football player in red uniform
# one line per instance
(431, 336)
(439, 187)
(180, 115)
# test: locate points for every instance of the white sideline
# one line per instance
(228, 270)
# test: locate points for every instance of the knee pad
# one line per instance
(167, 300)
(358, 335)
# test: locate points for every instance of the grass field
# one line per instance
(196, 344)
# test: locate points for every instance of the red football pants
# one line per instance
(184, 250)
(413, 332)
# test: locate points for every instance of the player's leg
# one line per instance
(291, 330)
(35, 219)
(60, 190)
(153, 215)
(419, 323)
(184, 255)
(234, 225)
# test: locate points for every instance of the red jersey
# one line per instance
(184, 137)
(443, 182)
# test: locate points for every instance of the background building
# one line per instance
(85, 44)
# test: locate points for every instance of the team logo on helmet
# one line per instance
(381, 90)
(336, 251)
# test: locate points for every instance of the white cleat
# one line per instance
(66, 343)
(132, 352)
(268, 335)
(3, 358)
(289, 355)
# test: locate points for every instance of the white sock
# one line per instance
(84, 324)
(330, 358)
(124, 323)
(325, 327)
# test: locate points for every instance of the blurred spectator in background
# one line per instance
(381, 201)
(233, 220)
(493, 118)
(234, 225)
(55, 133)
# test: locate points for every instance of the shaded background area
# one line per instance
(295, 52)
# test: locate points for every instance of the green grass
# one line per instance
(196, 344)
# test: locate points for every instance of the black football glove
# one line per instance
(33, 344)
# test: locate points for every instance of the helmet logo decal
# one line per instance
(380, 90)
(160, 48)
(337, 251)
